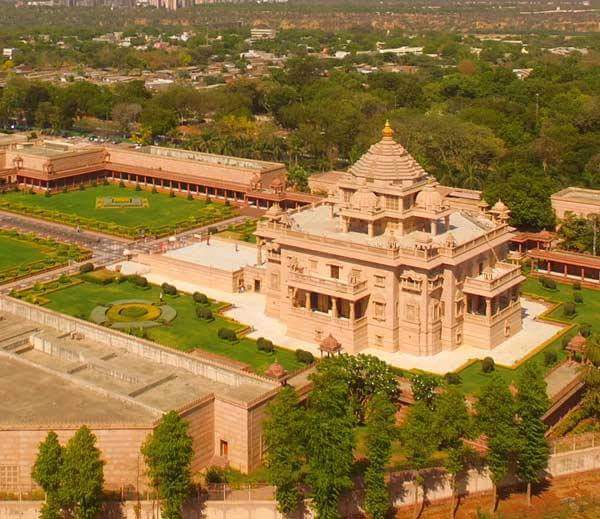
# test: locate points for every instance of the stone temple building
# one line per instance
(391, 259)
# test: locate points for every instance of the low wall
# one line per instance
(176, 269)
(133, 345)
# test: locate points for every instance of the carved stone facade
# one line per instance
(393, 260)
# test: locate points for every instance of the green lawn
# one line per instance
(163, 214)
(14, 252)
(242, 232)
(25, 253)
(186, 332)
(473, 378)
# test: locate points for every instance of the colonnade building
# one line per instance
(392, 260)
(55, 165)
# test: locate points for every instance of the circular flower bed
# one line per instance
(132, 313)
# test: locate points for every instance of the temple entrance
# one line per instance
(257, 285)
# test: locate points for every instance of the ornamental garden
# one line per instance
(24, 254)
(160, 314)
(119, 210)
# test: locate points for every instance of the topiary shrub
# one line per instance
(215, 476)
(189, 196)
(105, 182)
(47, 194)
(569, 309)
(139, 281)
(86, 267)
(154, 190)
(550, 357)
(227, 334)
(172, 193)
(305, 357)
(452, 378)
(548, 284)
(168, 289)
(200, 298)
(585, 329)
(577, 297)
(577, 285)
(265, 345)
(121, 184)
(204, 314)
(138, 187)
(81, 187)
(488, 365)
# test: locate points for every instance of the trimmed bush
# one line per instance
(577, 285)
(121, 184)
(203, 313)
(86, 267)
(172, 193)
(81, 187)
(139, 281)
(550, 357)
(585, 329)
(306, 357)
(215, 476)
(548, 284)
(189, 196)
(569, 309)
(154, 190)
(227, 334)
(452, 378)
(47, 194)
(488, 365)
(168, 289)
(577, 297)
(265, 345)
(200, 298)
(138, 187)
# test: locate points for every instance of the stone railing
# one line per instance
(331, 284)
(509, 273)
(426, 253)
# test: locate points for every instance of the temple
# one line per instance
(393, 260)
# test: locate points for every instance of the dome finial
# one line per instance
(387, 130)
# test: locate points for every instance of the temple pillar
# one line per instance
(330, 210)
(565, 269)
(344, 221)
(370, 229)
(488, 307)
(334, 308)
(352, 311)
(307, 300)
(433, 227)
(259, 251)
(447, 223)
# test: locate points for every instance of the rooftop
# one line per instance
(316, 220)
(217, 254)
(51, 377)
(579, 194)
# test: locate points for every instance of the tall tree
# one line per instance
(496, 420)
(532, 402)
(82, 476)
(168, 453)
(330, 442)
(47, 474)
(381, 431)
(419, 442)
(283, 432)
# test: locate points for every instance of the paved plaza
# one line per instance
(249, 308)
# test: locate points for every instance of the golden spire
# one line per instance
(387, 130)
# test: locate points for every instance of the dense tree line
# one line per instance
(311, 449)
(473, 125)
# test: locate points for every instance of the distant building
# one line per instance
(522, 73)
(577, 201)
(262, 34)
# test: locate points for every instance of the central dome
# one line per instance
(387, 160)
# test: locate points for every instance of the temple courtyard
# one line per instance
(122, 211)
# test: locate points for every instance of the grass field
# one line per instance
(14, 252)
(588, 312)
(25, 253)
(186, 332)
(163, 213)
